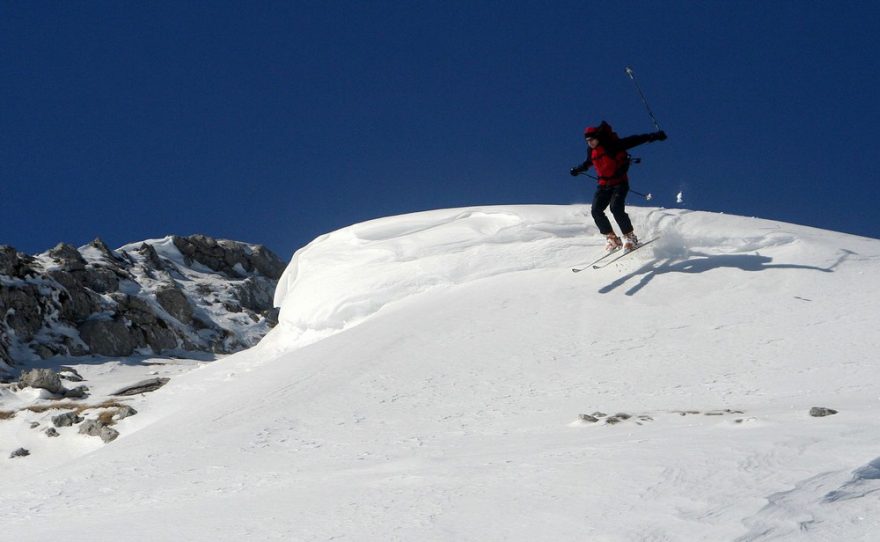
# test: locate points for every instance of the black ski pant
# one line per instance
(615, 197)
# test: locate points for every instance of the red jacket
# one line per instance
(611, 163)
(611, 159)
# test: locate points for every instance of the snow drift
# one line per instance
(429, 372)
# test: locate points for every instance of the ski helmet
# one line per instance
(596, 131)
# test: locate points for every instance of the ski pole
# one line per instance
(647, 196)
(632, 75)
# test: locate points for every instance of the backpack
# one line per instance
(610, 143)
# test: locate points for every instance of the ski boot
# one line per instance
(613, 242)
(631, 242)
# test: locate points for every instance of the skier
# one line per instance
(607, 153)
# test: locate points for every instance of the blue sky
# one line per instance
(275, 122)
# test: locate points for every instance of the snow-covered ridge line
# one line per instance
(345, 277)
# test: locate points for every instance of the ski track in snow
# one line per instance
(426, 379)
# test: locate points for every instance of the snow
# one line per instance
(429, 371)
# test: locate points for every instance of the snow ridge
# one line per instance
(431, 372)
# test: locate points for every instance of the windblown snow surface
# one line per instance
(429, 372)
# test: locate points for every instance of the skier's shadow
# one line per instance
(700, 263)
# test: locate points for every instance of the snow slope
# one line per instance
(429, 370)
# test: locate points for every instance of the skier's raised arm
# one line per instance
(634, 140)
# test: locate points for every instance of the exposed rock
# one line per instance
(105, 251)
(101, 280)
(68, 258)
(79, 392)
(136, 310)
(175, 303)
(723, 412)
(8, 260)
(95, 428)
(272, 315)
(70, 374)
(14, 263)
(45, 379)
(617, 418)
(819, 412)
(21, 452)
(151, 256)
(51, 432)
(144, 386)
(159, 337)
(108, 337)
(21, 307)
(229, 257)
(620, 417)
(77, 302)
(66, 420)
(97, 301)
(123, 412)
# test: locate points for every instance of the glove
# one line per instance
(574, 172)
(660, 136)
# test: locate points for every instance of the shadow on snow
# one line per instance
(700, 263)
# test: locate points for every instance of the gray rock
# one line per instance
(95, 428)
(21, 452)
(123, 412)
(8, 260)
(617, 418)
(147, 251)
(272, 315)
(67, 419)
(819, 412)
(105, 251)
(101, 279)
(79, 392)
(145, 386)
(116, 303)
(45, 379)
(22, 309)
(588, 418)
(134, 309)
(77, 303)
(67, 257)
(224, 256)
(108, 434)
(175, 303)
(44, 351)
(160, 337)
(108, 337)
(70, 374)
(51, 432)
(14, 263)
(256, 293)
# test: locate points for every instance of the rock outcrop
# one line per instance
(191, 293)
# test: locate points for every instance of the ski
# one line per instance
(626, 253)
(594, 262)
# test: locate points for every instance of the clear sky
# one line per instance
(275, 122)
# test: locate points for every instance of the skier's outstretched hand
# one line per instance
(660, 136)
